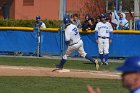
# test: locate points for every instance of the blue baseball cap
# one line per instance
(102, 16)
(131, 64)
(37, 17)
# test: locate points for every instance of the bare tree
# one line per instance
(93, 7)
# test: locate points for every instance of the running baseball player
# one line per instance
(103, 35)
(74, 42)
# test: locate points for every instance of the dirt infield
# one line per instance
(43, 71)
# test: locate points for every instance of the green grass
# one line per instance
(57, 85)
(43, 62)
(30, 84)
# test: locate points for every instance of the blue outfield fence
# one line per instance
(125, 43)
(17, 41)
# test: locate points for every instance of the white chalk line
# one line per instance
(19, 68)
(105, 75)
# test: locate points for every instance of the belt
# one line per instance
(74, 43)
(103, 37)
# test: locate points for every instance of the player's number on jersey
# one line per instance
(75, 31)
(107, 31)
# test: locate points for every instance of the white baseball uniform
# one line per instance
(72, 35)
(73, 39)
(43, 25)
(38, 25)
(103, 29)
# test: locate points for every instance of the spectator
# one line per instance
(122, 21)
(88, 23)
(111, 19)
(130, 75)
(85, 23)
(76, 21)
(97, 20)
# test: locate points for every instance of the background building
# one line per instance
(51, 9)
(28, 9)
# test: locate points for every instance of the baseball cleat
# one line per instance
(106, 63)
(96, 64)
(101, 63)
(59, 66)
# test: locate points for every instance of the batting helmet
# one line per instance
(131, 64)
(37, 17)
(66, 20)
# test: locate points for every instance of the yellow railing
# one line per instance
(118, 31)
(57, 29)
(27, 28)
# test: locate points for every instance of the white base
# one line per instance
(64, 70)
(61, 70)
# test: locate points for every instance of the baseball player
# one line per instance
(39, 24)
(74, 42)
(130, 75)
(103, 35)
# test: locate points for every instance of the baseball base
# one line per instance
(61, 70)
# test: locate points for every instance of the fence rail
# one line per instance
(125, 42)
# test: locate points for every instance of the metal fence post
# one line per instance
(38, 41)
(62, 40)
